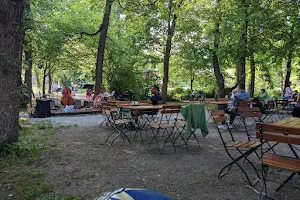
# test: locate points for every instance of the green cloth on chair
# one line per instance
(194, 115)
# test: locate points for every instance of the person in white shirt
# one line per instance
(287, 94)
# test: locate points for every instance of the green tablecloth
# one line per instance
(194, 115)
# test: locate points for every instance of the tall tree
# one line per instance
(28, 50)
(101, 46)
(170, 33)
(291, 46)
(218, 74)
(11, 45)
(242, 44)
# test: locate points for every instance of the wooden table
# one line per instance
(143, 107)
(220, 102)
(292, 122)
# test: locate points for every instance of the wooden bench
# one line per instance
(281, 134)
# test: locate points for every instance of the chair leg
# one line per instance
(235, 161)
(287, 180)
(196, 139)
(116, 138)
(110, 135)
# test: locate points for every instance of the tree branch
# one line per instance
(121, 5)
(90, 34)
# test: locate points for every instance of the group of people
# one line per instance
(239, 94)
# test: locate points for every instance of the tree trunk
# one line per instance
(38, 83)
(288, 66)
(171, 29)
(44, 81)
(252, 69)
(28, 52)
(49, 83)
(192, 80)
(11, 45)
(242, 48)
(101, 45)
(28, 72)
(217, 71)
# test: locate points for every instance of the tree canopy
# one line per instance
(256, 41)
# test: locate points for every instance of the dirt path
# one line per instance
(83, 165)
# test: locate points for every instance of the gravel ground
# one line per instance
(82, 164)
(79, 120)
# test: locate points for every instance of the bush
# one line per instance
(175, 94)
(209, 94)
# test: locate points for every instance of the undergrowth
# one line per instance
(20, 174)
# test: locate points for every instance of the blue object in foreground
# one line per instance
(133, 194)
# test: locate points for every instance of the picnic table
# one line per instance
(286, 131)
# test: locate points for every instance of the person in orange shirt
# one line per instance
(67, 96)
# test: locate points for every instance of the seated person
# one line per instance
(263, 95)
(155, 100)
(241, 95)
(67, 96)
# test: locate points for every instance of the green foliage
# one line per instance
(137, 35)
(32, 139)
(19, 163)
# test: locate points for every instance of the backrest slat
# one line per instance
(220, 119)
(279, 129)
(217, 112)
(279, 137)
(250, 114)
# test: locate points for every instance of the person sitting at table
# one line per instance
(264, 96)
(242, 95)
(155, 100)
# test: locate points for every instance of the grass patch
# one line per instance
(21, 176)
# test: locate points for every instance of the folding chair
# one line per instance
(244, 148)
(250, 113)
(270, 112)
(166, 123)
(103, 106)
(283, 113)
(289, 136)
(210, 107)
(119, 125)
(241, 104)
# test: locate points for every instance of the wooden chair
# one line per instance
(252, 114)
(167, 123)
(223, 99)
(120, 126)
(244, 148)
(289, 136)
(270, 112)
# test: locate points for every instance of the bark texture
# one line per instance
(28, 72)
(101, 46)
(49, 83)
(288, 66)
(217, 71)
(11, 45)
(44, 81)
(252, 80)
(242, 47)
(28, 51)
(171, 29)
(38, 83)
